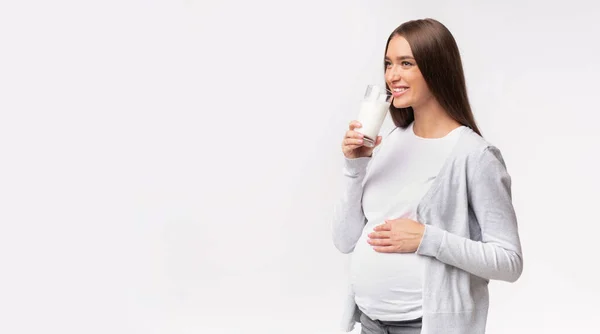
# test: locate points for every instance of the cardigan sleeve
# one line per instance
(348, 218)
(498, 255)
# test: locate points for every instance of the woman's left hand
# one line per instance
(397, 236)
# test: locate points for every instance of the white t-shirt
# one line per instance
(388, 286)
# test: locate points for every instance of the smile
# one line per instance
(396, 92)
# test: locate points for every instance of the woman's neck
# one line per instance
(432, 121)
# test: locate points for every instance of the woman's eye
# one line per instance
(405, 63)
(388, 64)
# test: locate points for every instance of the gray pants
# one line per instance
(370, 326)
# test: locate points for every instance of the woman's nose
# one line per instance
(393, 74)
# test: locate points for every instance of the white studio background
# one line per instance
(171, 166)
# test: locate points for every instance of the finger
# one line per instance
(379, 235)
(353, 141)
(400, 223)
(354, 134)
(378, 141)
(354, 124)
(379, 242)
(350, 148)
(385, 249)
(383, 227)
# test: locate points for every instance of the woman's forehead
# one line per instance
(398, 47)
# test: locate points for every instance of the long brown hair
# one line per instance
(437, 56)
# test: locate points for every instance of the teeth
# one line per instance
(398, 90)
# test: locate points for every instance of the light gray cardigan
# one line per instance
(470, 235)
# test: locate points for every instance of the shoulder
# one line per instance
(473, 146)
(476, 152)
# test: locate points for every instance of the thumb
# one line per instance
(377, 141)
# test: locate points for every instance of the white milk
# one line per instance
(371, 116)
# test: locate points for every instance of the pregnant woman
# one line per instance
(427, 216)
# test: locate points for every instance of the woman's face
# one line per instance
(403, 75)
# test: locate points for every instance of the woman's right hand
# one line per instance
(353, 145)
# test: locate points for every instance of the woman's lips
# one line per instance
(397, 92)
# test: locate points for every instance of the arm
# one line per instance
(498, 255)
(348, 218)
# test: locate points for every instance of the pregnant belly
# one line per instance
(385, 276)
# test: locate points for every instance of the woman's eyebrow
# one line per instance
(401, 58)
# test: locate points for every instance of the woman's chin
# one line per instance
(399, 104)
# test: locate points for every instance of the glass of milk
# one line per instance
(372, 113)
